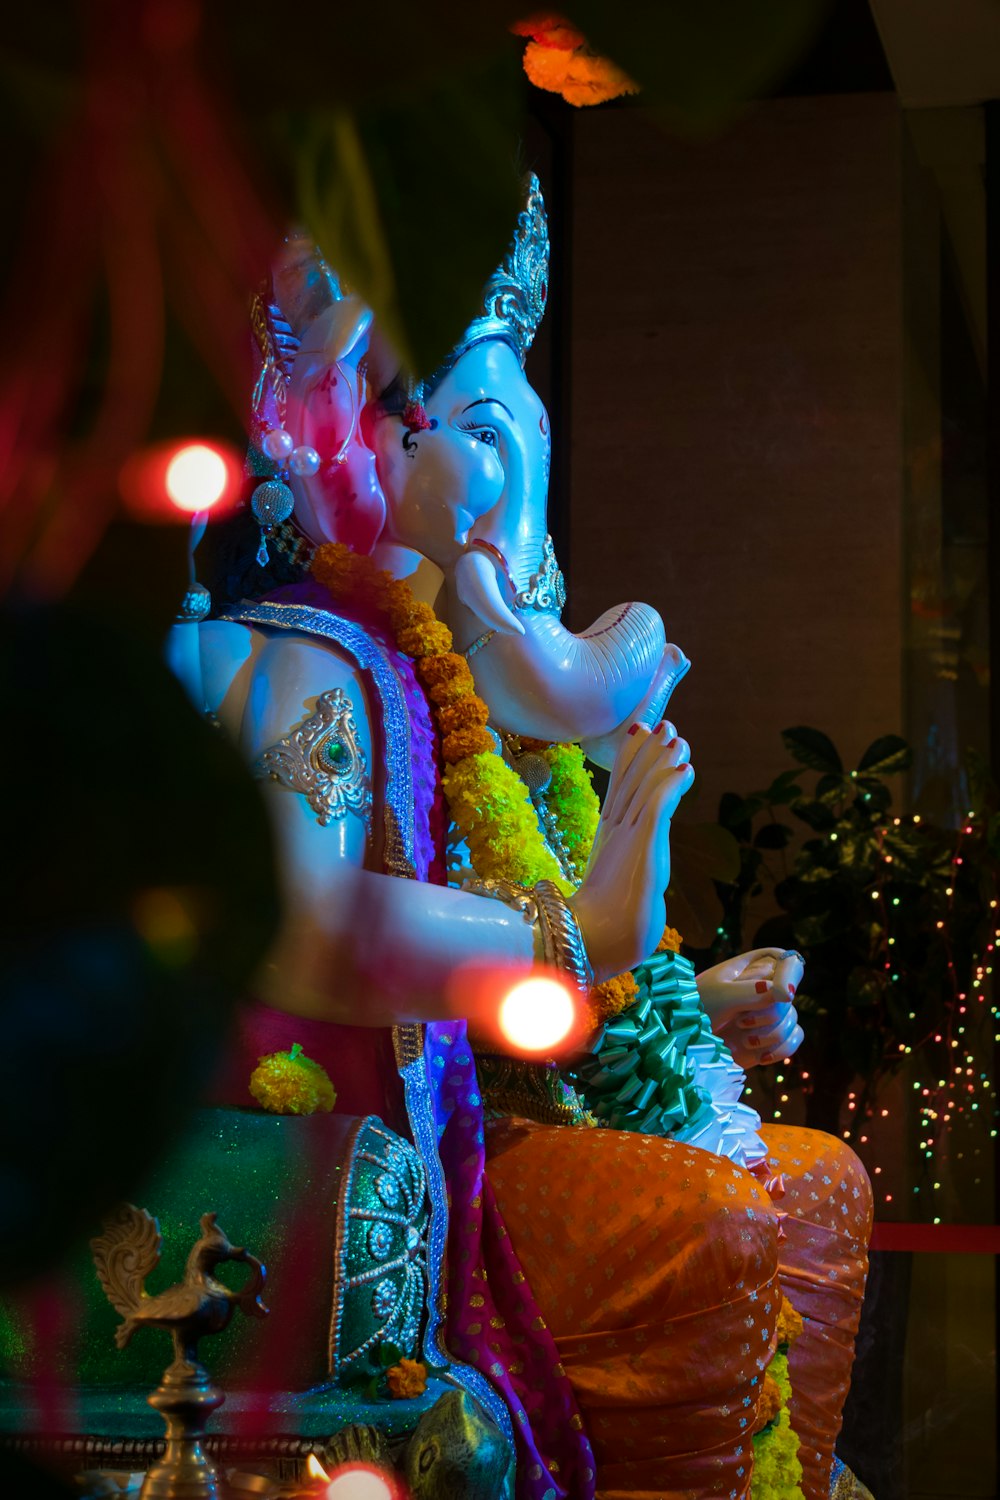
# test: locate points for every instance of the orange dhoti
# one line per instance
(656, 1266)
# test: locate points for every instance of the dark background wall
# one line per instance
(736, 378)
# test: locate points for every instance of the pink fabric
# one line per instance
(494, 1322)
(359, 1060)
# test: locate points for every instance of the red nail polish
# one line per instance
(633, 729)
(791, 991)
(753, 1041)
(768, 1057)
(671, 742)
(762, 986)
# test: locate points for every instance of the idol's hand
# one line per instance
(620, 904)
(673, 666)
(749, 1002)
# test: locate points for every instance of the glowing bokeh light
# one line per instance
(537, 1014)
(359, 1482)
(196, 477)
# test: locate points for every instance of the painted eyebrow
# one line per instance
(488, 401)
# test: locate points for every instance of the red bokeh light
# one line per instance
(178, 479)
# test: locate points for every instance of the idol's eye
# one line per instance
(487, 435)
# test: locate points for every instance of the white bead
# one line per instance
(304, 462)
(277, 444)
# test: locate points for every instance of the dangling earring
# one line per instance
(273, 502)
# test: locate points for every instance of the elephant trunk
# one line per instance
(540, 679)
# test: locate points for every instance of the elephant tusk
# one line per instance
(478, 588)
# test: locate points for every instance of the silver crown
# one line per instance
(514, 297)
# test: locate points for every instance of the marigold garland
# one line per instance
(777, 1472)
(488, 801)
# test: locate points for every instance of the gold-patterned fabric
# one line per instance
(824, 1262)
(656, 1267)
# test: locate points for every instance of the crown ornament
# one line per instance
(515, 295)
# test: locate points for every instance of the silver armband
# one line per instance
(323, 760)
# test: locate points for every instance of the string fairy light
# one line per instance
(952, 1087)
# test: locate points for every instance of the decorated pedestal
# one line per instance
(336, 1208)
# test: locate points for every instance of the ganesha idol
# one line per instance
(642, 1291)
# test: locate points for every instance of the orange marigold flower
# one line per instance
(670, 942)
(581, 76)
(446, 677)
(547, 67)
(338, 568)
(469, 713)
(769, 1404)
(612, 996)
(465, 742)
(404, 611)
(789, 1323)
(408, 1378)
(424, 638)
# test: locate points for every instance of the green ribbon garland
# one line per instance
(637, 1074)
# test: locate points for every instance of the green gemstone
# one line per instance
(336, 753)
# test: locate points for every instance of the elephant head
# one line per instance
(461, 481)
(469, 491)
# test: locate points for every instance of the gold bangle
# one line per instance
(562, 940)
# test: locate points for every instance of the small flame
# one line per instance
(315, 1469)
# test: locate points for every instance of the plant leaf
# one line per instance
(773, 836)
(886, 756)
(812, 748)
(784, 788)
(816, 815)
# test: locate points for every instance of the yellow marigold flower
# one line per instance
(769, 1403)
(408, 1378)
(670, 942)
(572, 798)
(789, 1323)
(289, 1083)
(612, 997)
